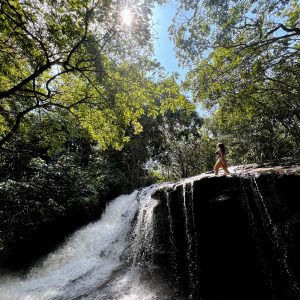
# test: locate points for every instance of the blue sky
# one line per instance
(163, 46)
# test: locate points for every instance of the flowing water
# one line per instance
(99, 261)
(117, 257)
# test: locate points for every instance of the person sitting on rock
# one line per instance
(221, 161)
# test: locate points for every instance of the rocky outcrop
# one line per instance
(232, 237)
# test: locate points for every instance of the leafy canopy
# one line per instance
(76, 61)
(245, 69)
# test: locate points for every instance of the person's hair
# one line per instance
(222, 147)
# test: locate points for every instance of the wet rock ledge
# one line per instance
(232, 237)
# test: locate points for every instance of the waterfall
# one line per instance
(143, 234)
(171, 233)
(206, 238)
(193, 245)
(98, 261)
(278, 246)
(225, 241)
(271, 246)
(189, 236)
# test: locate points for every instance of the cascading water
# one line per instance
(171, 233)
(191, 238)
(227, 239)
(206, 238)
(279, 251)
(99, 261)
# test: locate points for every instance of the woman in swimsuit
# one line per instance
(221, 161)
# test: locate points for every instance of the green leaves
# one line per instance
(245, 71)
(74, 61)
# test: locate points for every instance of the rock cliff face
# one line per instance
(232, 237)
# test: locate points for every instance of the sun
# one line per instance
(126, 16)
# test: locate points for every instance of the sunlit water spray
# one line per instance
(96, 261)
(114, 258)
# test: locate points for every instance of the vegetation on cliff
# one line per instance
(86, 112)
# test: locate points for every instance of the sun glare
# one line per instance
(126, 16)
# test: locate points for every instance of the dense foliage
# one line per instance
(87, 114)
(77, 60)
(245, 69)
(75, 83)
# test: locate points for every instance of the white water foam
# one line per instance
(91, 264)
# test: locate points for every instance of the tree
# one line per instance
(76, 59)
(246, 68)
(253, 27)
(179, 154)
(162, 143)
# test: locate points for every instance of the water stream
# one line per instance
(194, 240)
(99, 261)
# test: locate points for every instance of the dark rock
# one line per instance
(232, 237)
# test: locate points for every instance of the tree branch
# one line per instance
(34, 75)
(16, 125)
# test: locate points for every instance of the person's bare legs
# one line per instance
(224, 167)
(217, 166)
(221, 163)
